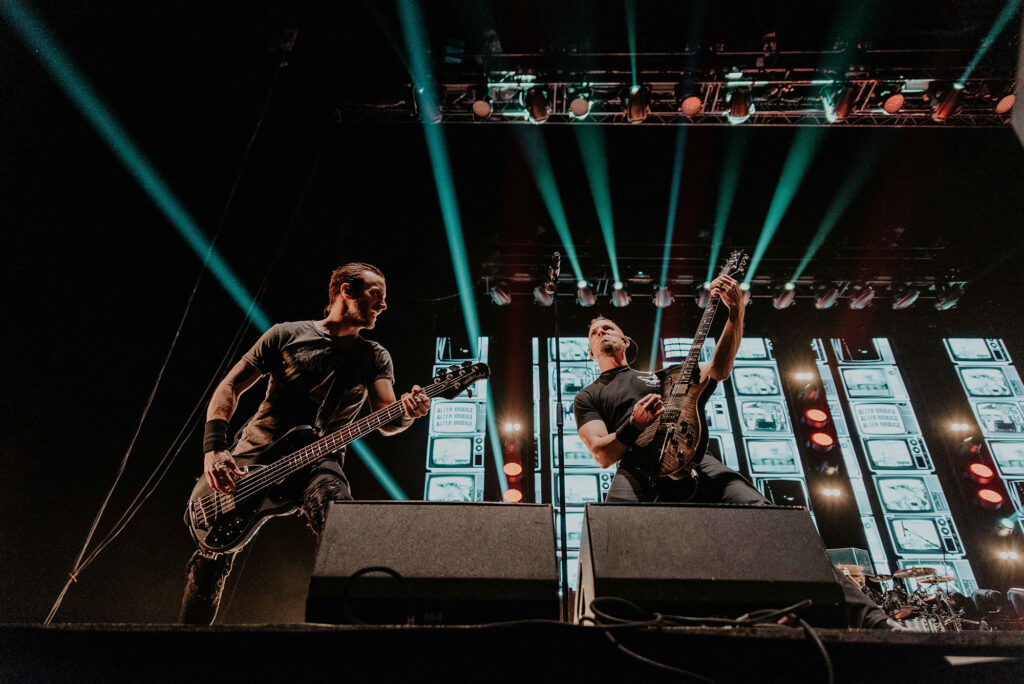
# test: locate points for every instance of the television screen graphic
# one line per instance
(916, 535)
(753, 349)
(453, 416)
(848, 350)
(1000, 416)
(716, 412)
(889, 453)
(581, 489)
(576, 453)
(867, 382)
(783, 492)
(572, 349)
(755, 381)
(452, 452)
(772, 456)
(451, 487)
(905, 495)
(1009, 457)
(879, 419)
(574, 379)
(764, 416)
(986, 382)
(969, 349)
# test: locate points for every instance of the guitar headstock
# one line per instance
(459, 378)
(735, 264)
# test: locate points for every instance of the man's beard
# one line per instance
(607, 346)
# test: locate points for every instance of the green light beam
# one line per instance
(87, 101)
(631, 34)
(735, 156)
(801, 154)
(595, 163)
(536, 154)
(1001, 21)
(497, 455)
(670, 226)
(867, 160)
(414, 32)
(383, 476)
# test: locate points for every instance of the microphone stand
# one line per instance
(560, 423)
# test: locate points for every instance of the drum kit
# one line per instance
(928, 608)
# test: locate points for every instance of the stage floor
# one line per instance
(505, 652)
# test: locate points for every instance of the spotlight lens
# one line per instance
(980, 471)
(513, 469)
(1004, 555)
(1012, 555)
(512, 495)
(893, 103)
(579, 107)
(508, 426)
(789, 286)
(617, 285)
(744, 286)
(516, 426)
(990, 496)
(691, 106)
(1006, 523)
(707, 285)
(581, 284)
(816, 415)
(822, 439)
(482, 108)
(1006, 103)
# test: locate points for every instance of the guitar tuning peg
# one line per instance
(453, 368)
(467, 364)
(469, 393)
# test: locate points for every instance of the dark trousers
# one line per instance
(206, 574)
(717, 483)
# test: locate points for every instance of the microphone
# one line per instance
(554, 270)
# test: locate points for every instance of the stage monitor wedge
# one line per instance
(460, 563)
(700, 560)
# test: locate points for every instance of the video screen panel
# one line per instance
(856, 351)
(568, 416)
(754, 349)
(916, 535)
(756, 381)
(1008, 456)
(773, 456)
(764, 416)
(576, 453)
(723, 448)
(988, 382)
(906, 494)
(451, 452)
(976, 350)
(454, 487)
(716, 411)
(999, 417)
(572, 349)
(581, 489)
(897, 454)
(457, 417)
(784, 491)
(573, 528)
(884, 419)
(873, 383)
(678, 348)
(574, 378)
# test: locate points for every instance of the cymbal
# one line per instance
(937, 579)
(881, 578)
(906, 573)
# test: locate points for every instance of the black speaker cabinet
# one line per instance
(722, 560)
(449, 563)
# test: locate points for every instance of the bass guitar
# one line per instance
(679, 437)
(224, 523)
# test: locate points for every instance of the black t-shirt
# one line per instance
(315, 379)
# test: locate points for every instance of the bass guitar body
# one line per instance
(224, 523)
(676, 442)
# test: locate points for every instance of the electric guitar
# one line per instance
(680, 435)
(222, 523)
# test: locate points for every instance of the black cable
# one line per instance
(654, 663)
(821, 647)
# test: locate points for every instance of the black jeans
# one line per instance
(206, 574)
(717, 483)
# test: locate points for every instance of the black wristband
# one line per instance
(215, 435)
(627, 434)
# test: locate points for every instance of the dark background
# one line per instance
(96, 281)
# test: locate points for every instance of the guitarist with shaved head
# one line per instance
(320, 374)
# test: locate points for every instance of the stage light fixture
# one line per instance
(804, 376)
(810, 393)
(585, 296)
(816, 418)
(946, 102)
(690, 103)
(513, 470)
(785, 296)
(980, 473)
(536, 103)
(1007, 523)
(663, 297)
(1005, 103)
(904, 297)
(637, 104)
(429, 103)
(892, 99)
(741, 106)
(830, 491)
(827, 296)
(500, 293)
(990, 499)
(861, 297)
(512, 495)
(481, 101)
(579, 102)
(821, 441)
(839, 102)
(541, 296)
(948, 296)
(734, 74)
(620, 295)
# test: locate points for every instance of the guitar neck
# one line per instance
(693, 358)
